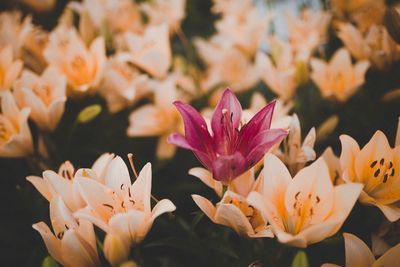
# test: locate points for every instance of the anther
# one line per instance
(392, 174)
(108, 206)
(385, 177)
(382, 161)
(297, 195)
(373, 163)
(377, 172)
(318, 199)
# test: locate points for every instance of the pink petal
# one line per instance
(196, 132)
(228, 167)
(225, 121)
(261, 143)
(260, 122)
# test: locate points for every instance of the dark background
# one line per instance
(185, 238)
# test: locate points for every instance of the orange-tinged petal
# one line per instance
(53, 245)
(206, 206)
(350, 149)
(357, 252)
(206, 177)
(390, 258)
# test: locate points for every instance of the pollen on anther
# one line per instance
(373, 163)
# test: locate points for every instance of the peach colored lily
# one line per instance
(377, 167)
(359, 255)
(296, 154)
(159, 119)
(229, 66)
(122, 85)
(233, 210)
(64, 184)
(73, 243)
(306, 209)
(308, 30)
(67, 52)
(278, 71)
(32, 53)
(245, 31)
(15, 136)
(45, 95)
(333, 163)
(9, 68)
(149, 51)
(14, 31)
(231, 7)
(339, 78)
(376, 45)
(114, 16)
(165, 11)
(119, 208)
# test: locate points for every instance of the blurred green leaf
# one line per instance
(300, 260)
(89, 113)
(49, 262)
(327, 127)
(223, 249)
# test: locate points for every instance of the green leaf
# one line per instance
(49, 262)
(89, 113)
(300, 260)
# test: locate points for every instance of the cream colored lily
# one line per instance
(296, 154)
(150, 51)
(15, 135)
(165, 11)
(159, 119)
(122, 85)
(226, 65)
(333, 163)
(9, 68)
(306, 209)
(339, 78)
(14, 31)
(377, 167)
(245, 31)
(308, 30)
(45, 95)
(234, 209)
(376, 45)
(83, 67)
(64, 184)
(278, 71)
(119, 208)
(232, 7)
(114, 16)
(359, 255)
(73, 242)
(32, 53)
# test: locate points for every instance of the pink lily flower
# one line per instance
(230, 149)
